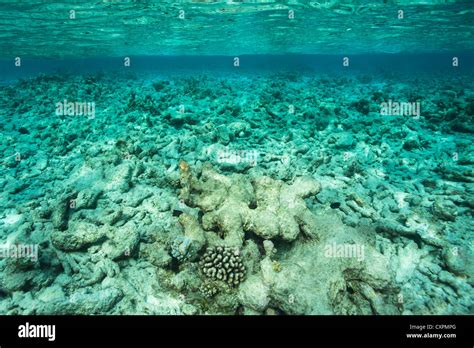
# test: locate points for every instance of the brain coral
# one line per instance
(223, 263)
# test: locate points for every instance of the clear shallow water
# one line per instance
(390, 64)
(335, 200)
(122, 28)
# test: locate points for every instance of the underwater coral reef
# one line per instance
(271, 194)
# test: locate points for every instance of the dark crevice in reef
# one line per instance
(253, 205)
(177, 213)
(281, 246)
(200, 215)
(250, 235)
(174, 265)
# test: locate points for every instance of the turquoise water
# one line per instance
(236, 157)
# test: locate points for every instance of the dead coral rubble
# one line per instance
(233, 205)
